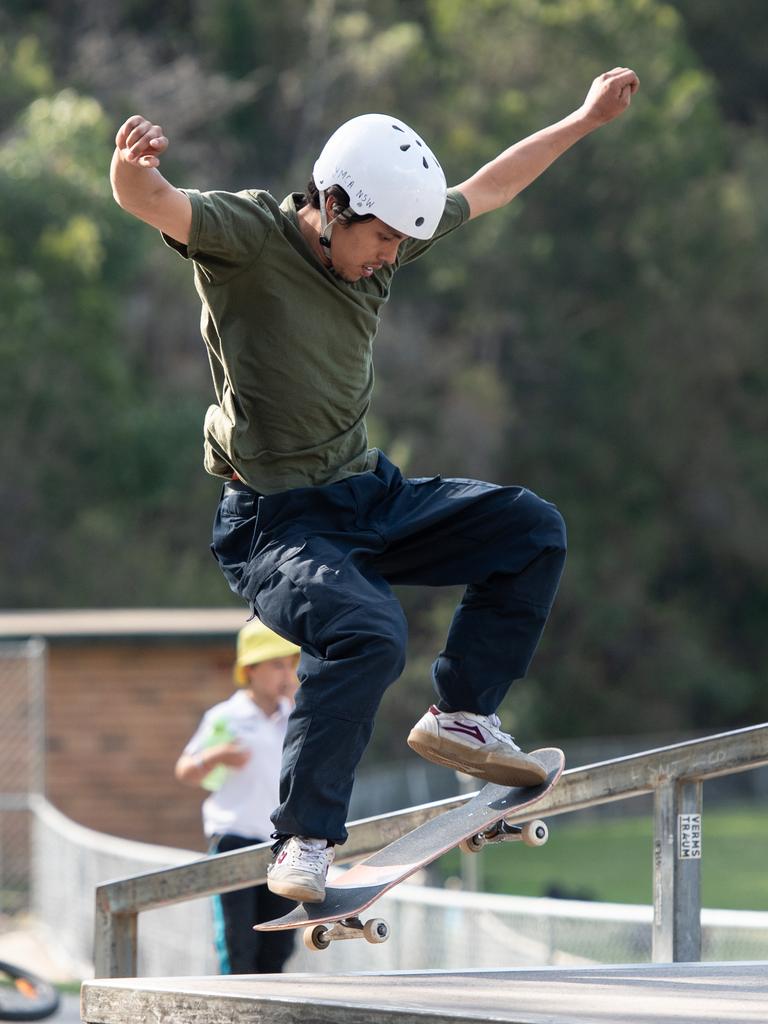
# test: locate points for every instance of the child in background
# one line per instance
(235, 754)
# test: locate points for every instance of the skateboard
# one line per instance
(469, 827)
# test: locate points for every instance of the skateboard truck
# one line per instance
(532, 833)
(320, 936)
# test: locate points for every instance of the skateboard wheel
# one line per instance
(534, 833)
(473, 844)
(376, 930)
(316, 937)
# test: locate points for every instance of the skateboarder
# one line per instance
(234, 754)
(313, 528)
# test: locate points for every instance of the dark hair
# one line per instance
(341, 200)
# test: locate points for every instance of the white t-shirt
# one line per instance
(248, 795)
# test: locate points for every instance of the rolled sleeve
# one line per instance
(227, 233)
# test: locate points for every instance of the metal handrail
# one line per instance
(674, 774)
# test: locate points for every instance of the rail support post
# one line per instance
(677, 872)
(116, 944)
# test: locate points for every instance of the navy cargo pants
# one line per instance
(316, 564)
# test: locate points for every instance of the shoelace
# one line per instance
(496, 723)
(313, 857)
(307, 850)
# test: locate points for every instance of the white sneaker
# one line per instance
(300, 868)
(474, 744)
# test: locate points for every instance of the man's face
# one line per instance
(357, 250)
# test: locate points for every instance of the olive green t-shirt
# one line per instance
(289, 343)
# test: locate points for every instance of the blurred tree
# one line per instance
(599, 340)
(731, 45)
(92, 467)
(616, 302)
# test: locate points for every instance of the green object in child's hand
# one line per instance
(220, 733)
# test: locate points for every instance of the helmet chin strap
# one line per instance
(326, 226)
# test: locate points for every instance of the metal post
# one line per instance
(677, 872)
(115, 944)
(37, 653)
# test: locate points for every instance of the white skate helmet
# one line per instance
(386, 170)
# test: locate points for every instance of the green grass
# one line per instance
(612, 859)
(69, 988)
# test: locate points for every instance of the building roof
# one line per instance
(123, 623)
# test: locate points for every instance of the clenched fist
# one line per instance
(140, 142)
(610, 94)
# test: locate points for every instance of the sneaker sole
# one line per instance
(295, 891)
(445, 752)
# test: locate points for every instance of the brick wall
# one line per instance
(117, 717)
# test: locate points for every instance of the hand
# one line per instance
(140, 142)
(233, 755)
(610, 94)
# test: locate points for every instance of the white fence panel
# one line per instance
(71, 860)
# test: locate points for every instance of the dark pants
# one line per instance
(317, 564)
(244, 951)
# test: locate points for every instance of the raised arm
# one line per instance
(139, 187)
(499, 181)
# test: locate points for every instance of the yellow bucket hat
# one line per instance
(256, 643)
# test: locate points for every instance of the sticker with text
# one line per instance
(689, 836)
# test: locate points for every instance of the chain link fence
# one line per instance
(70, 860)
(22, 764)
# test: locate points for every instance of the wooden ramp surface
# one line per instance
(636, 994)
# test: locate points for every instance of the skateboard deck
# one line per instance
(354, 891)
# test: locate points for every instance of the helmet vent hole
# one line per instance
(424, 161)
(398, 128)
(418, 142)
(419, 221)
(405, 147)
